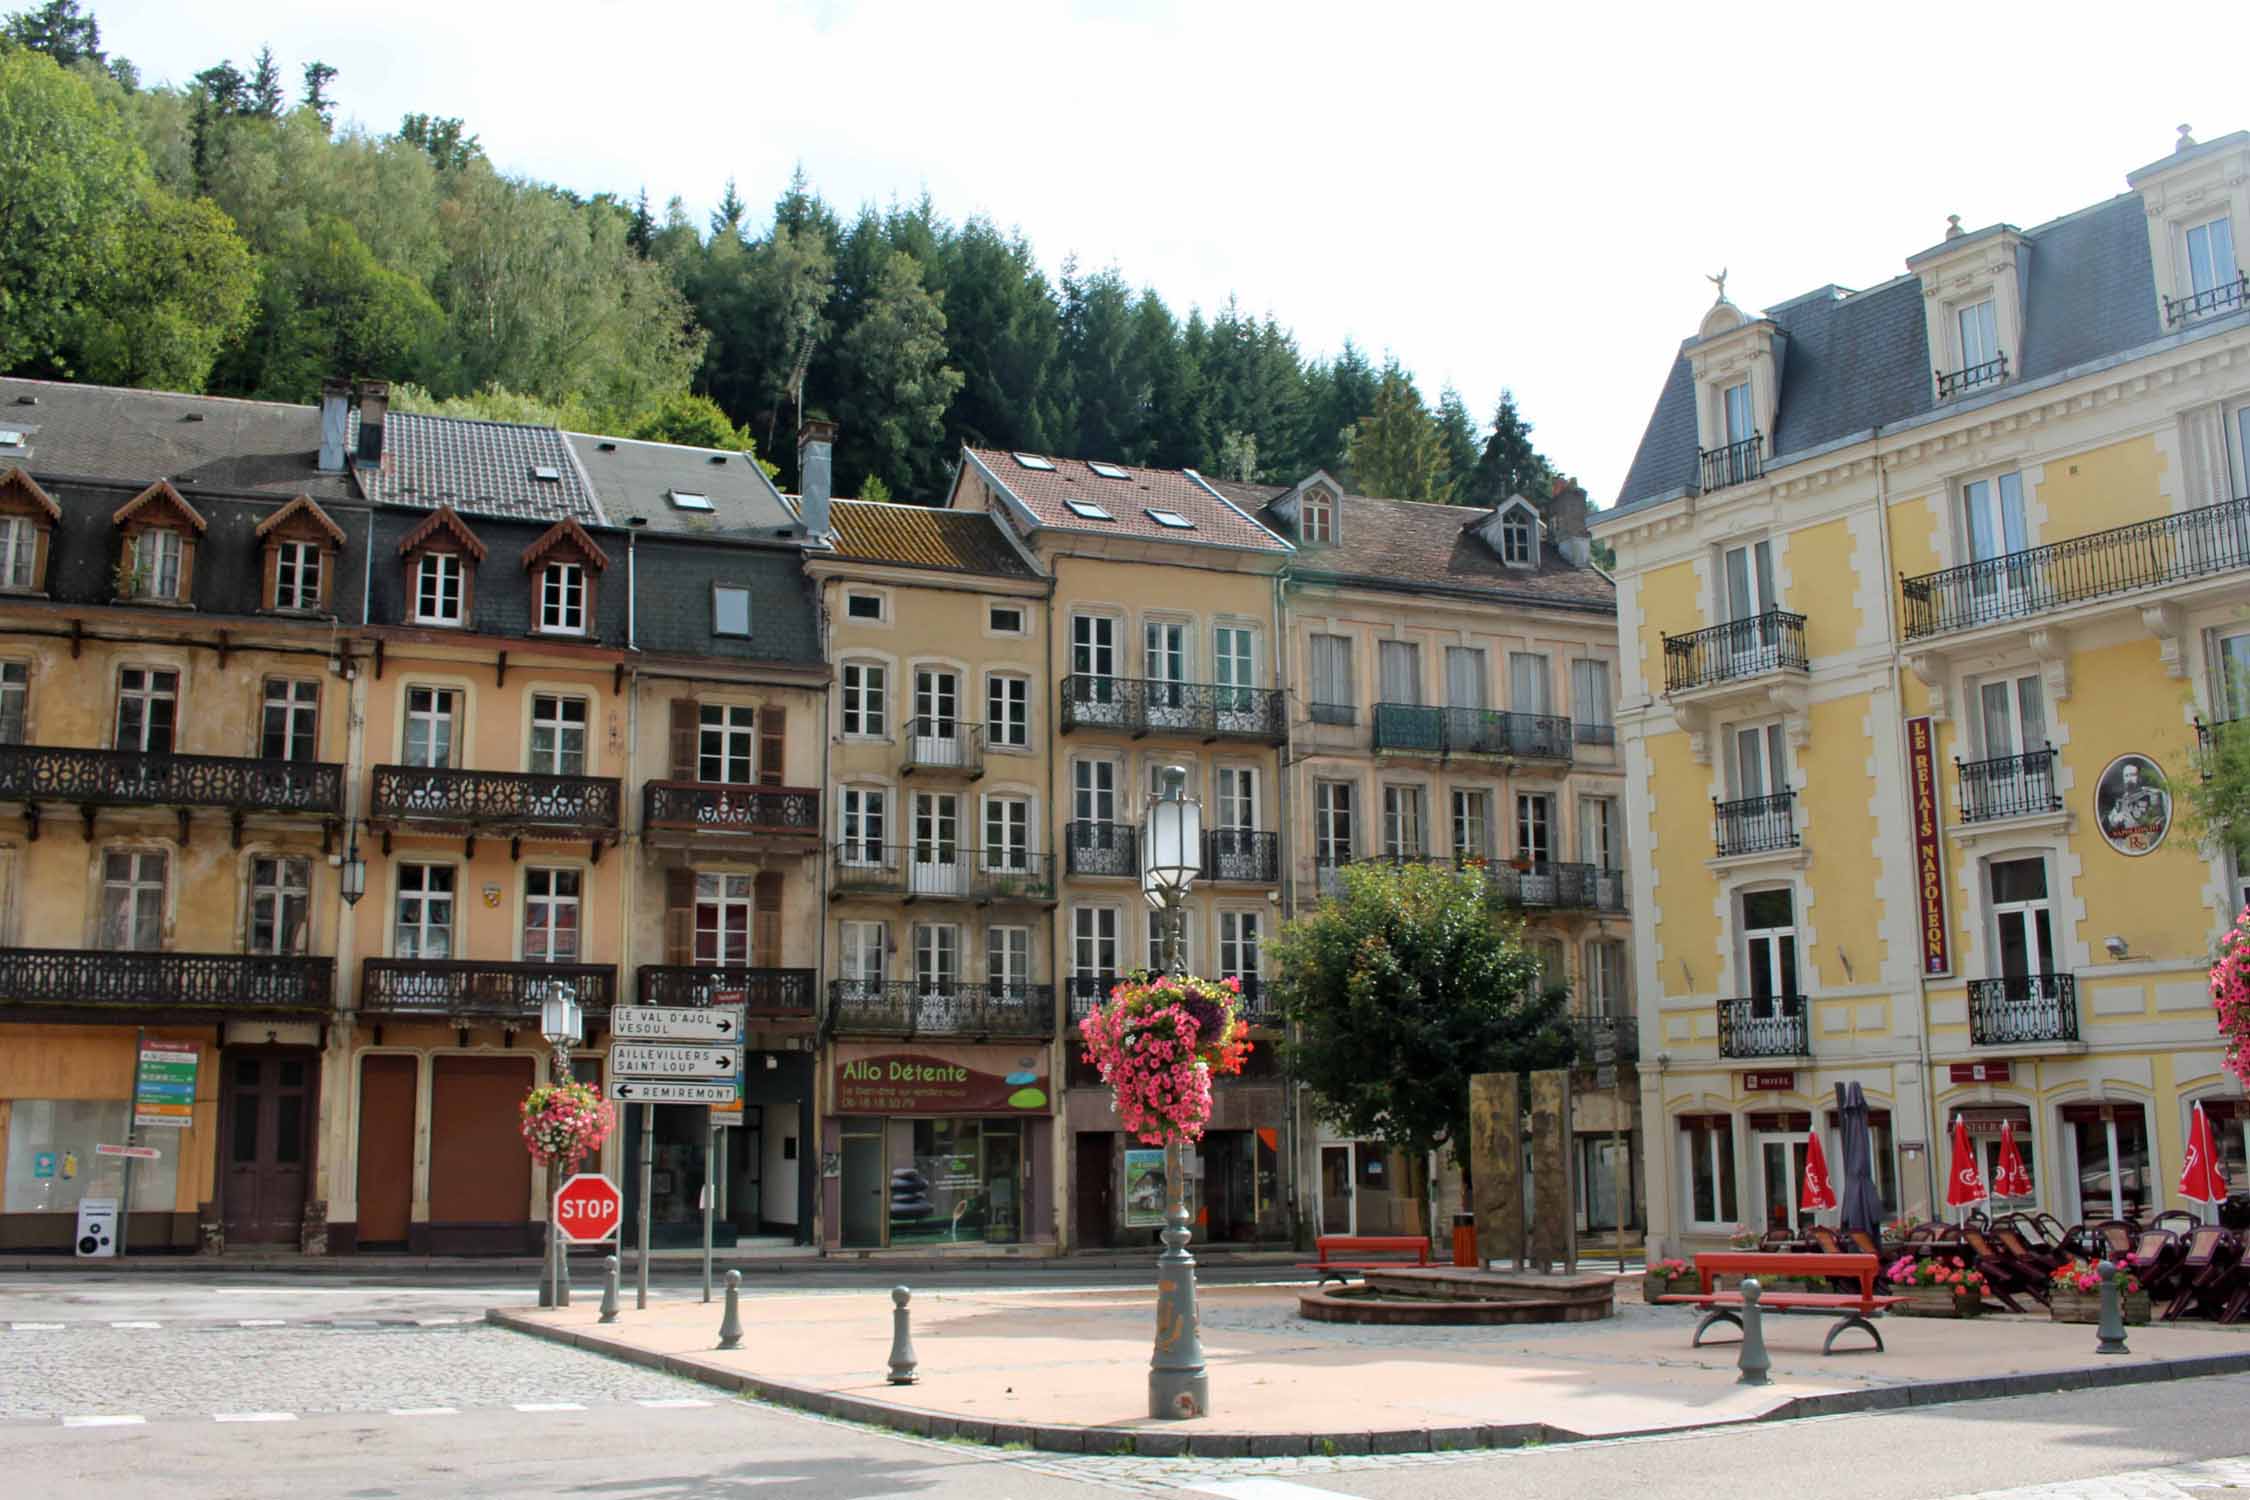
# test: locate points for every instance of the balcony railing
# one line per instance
(1556, 887)
(1242, 855)
(1756, 825)
(939, 744)
(2008, 786)
(1346, 714)
(1152, 705)
(1736, 463)
(2025, 1008)
(765, 992)
(140, 778)
(1084, 992)
(1102, 849)
(2225, 297)
(718, 807)
(500, 801)
(910, 1008)
(1764, 1026)
(257, 984)
(1771, 642)
(942, 873)
(2141, 555)
(1418, 729)
(1622, 1032)
(1593, 734)
(466, 989)
(1951, 383)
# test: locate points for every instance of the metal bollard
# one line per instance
(2109, 1333)
(1754, 1362)
(609, 1288)
(902, 1338)
(730, 1326)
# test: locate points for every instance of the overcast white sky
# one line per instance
(1502, 195)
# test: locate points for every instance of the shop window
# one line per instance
(1707, 1167)
(963, 1181)
(2109, 1158)
(51, 1163)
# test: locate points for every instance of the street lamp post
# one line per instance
(1171, 857)
(563, 1024)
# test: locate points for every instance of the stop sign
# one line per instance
(589, 1209)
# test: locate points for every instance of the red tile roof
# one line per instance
(1044, 495)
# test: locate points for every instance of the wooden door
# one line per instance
(480, 1173)
(270, 1097)
(1096, 1195)
(386, 1149)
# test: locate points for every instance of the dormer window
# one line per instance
(19, 553)
(1736, 361)
(27, 524)
(562, 600)
(302, 545)
(296, 576)
(1516, 540)
(156, 564)
(156, 551)
(2215, 281)
(564, 564)
(1317, 516)
(438, 589)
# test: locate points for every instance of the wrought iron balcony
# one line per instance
(913, 1008)
(2198, 543)
(2008, 786)
(1084, 992)
(938, 744)
(463, 990)
(1328, 876)
(1242, 855)
(939, 872)
(766, 992)
(1623, 1033)
(1951, 383)
(496, 801)
(725, 808)
(1756, 825)
(1418, 729)
(1764, 1026)
(1593, 734)
(1555, 887)
(1346, 714)
(2025, 1008)
(252, 983)
(1189, 710)
(2227, 296)
(1102, 849)
(1738, 649)
(140, 778)
(1736, 463)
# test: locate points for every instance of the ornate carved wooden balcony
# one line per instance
(513, 803)
(1241, 856)
(1736, 463)
(32, 774)
(1556, 887)
(2200, 543)
(714, 808)
(466, 990)
(2226, 297)
(1187, 710)
(2028, 1008)
(1768, 1026)
(1735, 651)
(250, 984)
(1952, 383)
(1422, 729)
(948, 746)
(766, 992)
(2008, 786)
(910, 1008)
(1102, 849)
(1755, 825)
(936, 872)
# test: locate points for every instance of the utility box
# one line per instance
(97, 1227)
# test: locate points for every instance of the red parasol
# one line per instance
(2009, 1179)
(1964, 1184)
(2202, 1179)
(1817, 1192)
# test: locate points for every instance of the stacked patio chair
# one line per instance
(2005, 1277)
(2158, 1253)
(2207, 1283)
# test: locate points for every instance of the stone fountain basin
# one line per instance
(1458, 1295)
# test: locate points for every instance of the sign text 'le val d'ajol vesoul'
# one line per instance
(918, 1083)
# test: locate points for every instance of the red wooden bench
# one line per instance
(1721, 1307)
(1332, 1247)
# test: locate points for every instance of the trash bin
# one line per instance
(1465, 1240)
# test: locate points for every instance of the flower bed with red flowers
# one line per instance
(1937, 1286)
(1158, 1042)
(564, 1123)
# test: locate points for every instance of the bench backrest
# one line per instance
(1362, 1244)
(1712, 1263)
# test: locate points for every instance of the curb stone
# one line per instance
(1158, 1444)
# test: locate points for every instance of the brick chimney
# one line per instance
(816, 448)
(1566, 523)
(374, 398)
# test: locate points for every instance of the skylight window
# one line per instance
(546, 474)
(1171, 518)
(1034, 461)
(1088, 510)
(689, 500)
(1107, 471)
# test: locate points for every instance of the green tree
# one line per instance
(263, 96)
(1457, 433)
(318, 75)
(898, 382)
(731, 211)
(1402, 989)
(1004, 329)
(693, 421)
(179, 289)
(60, 28)
(1510, 465)
(329, 307)
(1396, 450)
(1107, 389)
(445, 138)
(493, 404)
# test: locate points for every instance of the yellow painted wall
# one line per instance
(2105, 487)
(1822, 572)
(1668, 604)
(1915, 523)
(1681, 822)
(1841, 831)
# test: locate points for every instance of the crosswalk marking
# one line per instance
(101, 1421)
(261, 1322)
(549, 1405)
(35, 1327)
(136, 1324)
(425, 1411)
(254, 1416)
(673, 1401)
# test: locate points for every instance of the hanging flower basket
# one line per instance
(2230, 995)
(564, 1123)
(1158, 1041)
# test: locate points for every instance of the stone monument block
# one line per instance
(1552, 1209)
(1496, 1165)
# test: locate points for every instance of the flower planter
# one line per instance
(2086, 1307)
(1653, 1287)
(1936, 1302)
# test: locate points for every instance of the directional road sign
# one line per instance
(674, 1060)
(676, 1023)
(668, 1091)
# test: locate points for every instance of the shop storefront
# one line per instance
(1234, 1185)
(763, 1182)
(938, 1146)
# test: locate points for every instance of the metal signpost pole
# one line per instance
(648, 1179)
(132, 1138)
(710, 1199)
(1617, 1176)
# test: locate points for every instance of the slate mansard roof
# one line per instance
(1855, 361)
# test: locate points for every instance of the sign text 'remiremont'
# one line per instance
(893, 1070)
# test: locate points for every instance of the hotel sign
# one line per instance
(1929, 867)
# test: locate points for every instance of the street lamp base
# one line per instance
(1178, 1394)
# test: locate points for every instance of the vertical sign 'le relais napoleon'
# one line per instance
(1929, 869)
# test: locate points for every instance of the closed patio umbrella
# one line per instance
(1964, 1183)
(1862, 1206)
(2202, 1179)
(2009, 1179)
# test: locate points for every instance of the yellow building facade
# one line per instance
(1924, 591)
